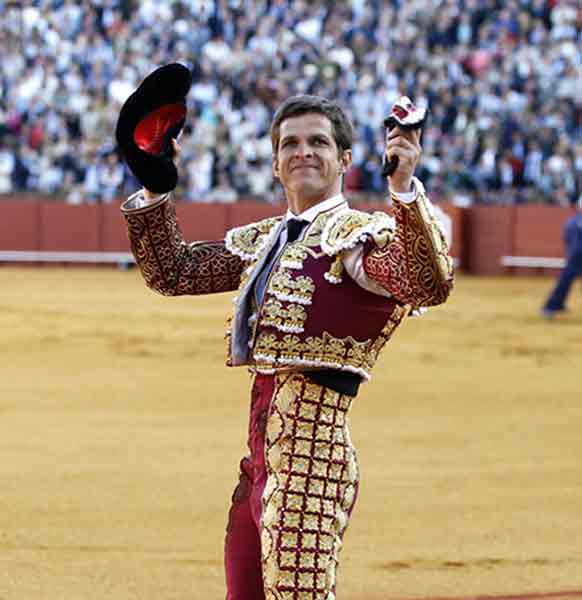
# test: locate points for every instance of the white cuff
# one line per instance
(138, 201)
(409, 197)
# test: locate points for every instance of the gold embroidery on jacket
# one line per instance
(290, 319)
(288, 297)
(284, 287)
(326, 351)
(345, 229)
(293, 257)
(334, 275)
(249, 241)
(415, 266)
(444, 262)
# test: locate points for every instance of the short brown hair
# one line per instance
(295, 106)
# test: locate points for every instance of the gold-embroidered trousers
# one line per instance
(311, 489)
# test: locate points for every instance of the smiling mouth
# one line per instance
(303, 167)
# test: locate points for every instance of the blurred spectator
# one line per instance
(532, 171)
(6, 170)
(199, 169)
(222, 192)
(109, 177)
(500, 79)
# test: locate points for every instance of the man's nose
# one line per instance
(304, 149)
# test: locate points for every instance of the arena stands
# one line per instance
(499, 77)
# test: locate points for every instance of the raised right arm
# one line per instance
(169, 265)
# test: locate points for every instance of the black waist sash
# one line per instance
(342, 382)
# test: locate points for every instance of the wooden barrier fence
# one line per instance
(489, 240)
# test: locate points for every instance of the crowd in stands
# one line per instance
(501, 80)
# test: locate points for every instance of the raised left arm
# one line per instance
(415, 265)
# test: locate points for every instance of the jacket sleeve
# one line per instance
(169, 265)
(414, 265)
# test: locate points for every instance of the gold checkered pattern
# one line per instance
(311, 489)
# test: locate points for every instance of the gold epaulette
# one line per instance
(349, 227)
(248, 241)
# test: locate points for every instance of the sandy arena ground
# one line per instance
(122, 430)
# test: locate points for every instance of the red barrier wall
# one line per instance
(20, 225)
(538, 229)
(491, 232)
(488, 233)
(248, 212)
(481, 234)
(112, 230)
(72, 228)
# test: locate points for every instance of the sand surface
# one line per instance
(121, 432)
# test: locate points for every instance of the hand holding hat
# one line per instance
(148, 122)
(407, 117)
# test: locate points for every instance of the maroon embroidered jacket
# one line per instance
(313, 314)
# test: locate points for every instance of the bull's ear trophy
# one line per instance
(405, 115)
(149, 119)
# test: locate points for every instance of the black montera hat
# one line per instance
(149, 119)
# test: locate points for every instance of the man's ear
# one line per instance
(275, 166)
(345, 161)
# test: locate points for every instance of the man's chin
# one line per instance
(310, 193)
(306, 178)
(306, 188)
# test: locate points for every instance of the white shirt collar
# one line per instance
(310, 214)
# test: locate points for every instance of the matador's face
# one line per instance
(307, 162)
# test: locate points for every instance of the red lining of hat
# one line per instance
(150, 132)
(400, 112)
